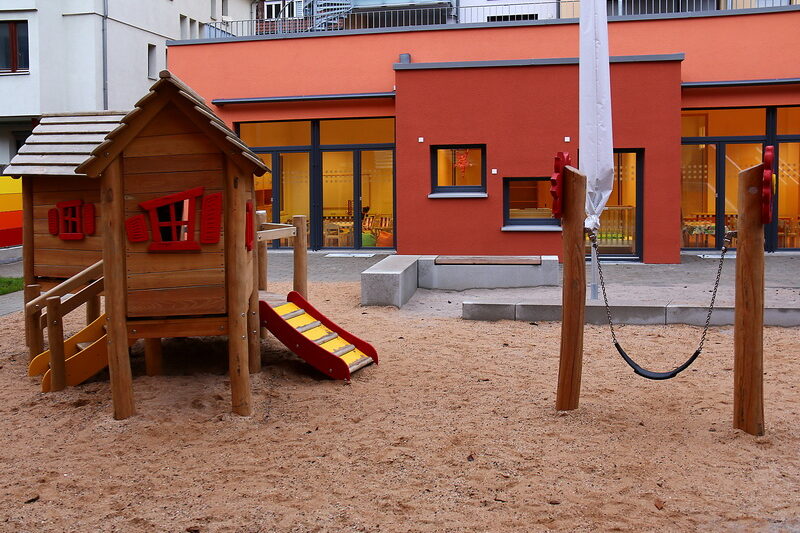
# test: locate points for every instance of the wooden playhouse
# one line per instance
(153, 209)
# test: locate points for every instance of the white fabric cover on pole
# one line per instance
(596, 142)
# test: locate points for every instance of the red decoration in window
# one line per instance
(211, 218)
(172, 221)
(70, 227)
(52, 221)
(136, 228)
(767, 187)
(462, 161)
(248, 231)
(557, 182)
(88, 219)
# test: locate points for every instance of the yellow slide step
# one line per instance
(83, 365)
(41, 363)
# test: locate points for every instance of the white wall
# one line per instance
(19, 92)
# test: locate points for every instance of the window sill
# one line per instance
(18, 73)
(533, 227)
(458, 195)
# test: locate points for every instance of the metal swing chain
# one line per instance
(726, 241)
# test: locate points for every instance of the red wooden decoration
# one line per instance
(767, 187)
(71, 226)
(136, 228)
(52, 221)
(562, 159)
(88, 219)
(211, 218)
(248, 232)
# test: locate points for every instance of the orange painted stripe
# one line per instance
(11, 219)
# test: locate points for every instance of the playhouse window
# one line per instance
(459, 168)
(70, 227)
(172, 220)
(527, 201)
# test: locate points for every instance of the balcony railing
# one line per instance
(360, 18)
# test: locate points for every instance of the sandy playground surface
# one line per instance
(454, 431)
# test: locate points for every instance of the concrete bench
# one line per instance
(391, 281)
(487, 272)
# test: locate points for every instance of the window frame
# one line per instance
(508, 221)
(158, 244)
(14, 47)
(438, 189)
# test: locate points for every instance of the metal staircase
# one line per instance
(326, 13)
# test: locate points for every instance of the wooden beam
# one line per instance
(113, 231)
(261, 217)
(268, 234)
(55, 337)
(33, 328)
(300, 253)
(238, 298)
(93, 306)
(573, 300)
(92, 272)
(177, 327)
(27, 232)
(153, 358)
(253, 336)
(748, 333)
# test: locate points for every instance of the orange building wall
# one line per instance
(716, 48)
(523, 129)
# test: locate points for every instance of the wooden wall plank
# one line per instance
(60, 184)
(175, 181)
(171, 121)
(177, 302)
(160, 145)
(51, 198)
(85, 258)
(178, 327)
(174, 163)
(187, 278)
(171, 262)
(133, 199)
(55, 271)
(52, 242)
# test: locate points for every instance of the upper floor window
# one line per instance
(14, 46)
(459, 168)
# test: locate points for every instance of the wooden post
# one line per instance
(33, 328)
(253, 334)
(55, 336)
(748, 336)
(573, 300)
(238, 297)
(261, 218)
(92, 309)
(300, 253)
(153, 357)
(115, 286)
(27, 232)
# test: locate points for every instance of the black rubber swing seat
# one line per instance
(649, 374)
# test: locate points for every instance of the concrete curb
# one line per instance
(630, 313)
(11, 254)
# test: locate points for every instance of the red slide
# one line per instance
(315, 338)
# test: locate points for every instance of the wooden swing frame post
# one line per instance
(748, 367)
(573, 290)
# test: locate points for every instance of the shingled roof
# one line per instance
(78, 144)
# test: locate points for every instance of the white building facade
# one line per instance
(70, 56)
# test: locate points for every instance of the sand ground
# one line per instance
(455, 430)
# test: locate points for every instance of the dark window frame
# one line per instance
(508, 221)
(13, 41)
(436, 188)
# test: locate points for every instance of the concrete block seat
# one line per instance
(394, 280)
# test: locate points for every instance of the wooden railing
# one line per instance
(47, 310)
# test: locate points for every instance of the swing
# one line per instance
(637, 368)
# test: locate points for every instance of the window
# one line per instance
(172, 219)
(214, 9)
(224, 8)
(527, 202)
(184, 24)
(152, 69)
(459, 168)
(14, 46)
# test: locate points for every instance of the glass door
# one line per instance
(377, 198)
(788, 181)
(699, 195)
(293, 196)
(338, 200)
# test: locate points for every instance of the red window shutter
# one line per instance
(52, 221)
(136, 228)
(248, 232)
(88, 219)
(211, 218)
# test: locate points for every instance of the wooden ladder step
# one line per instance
(325, 338)
(343, 350)
(309, 326)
